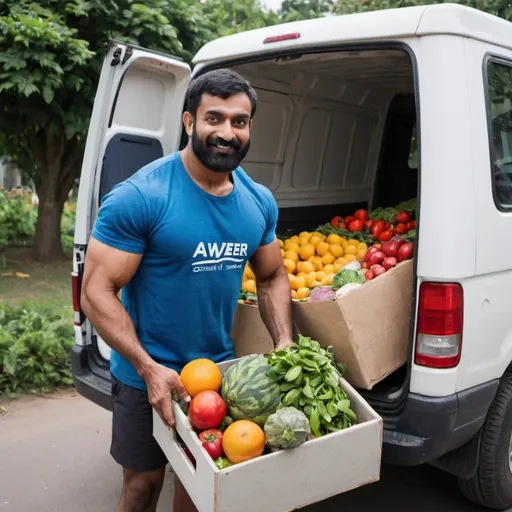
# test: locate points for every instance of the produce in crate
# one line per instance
(287, 428)
(309, 380)
(248, 391)
(200, 375)
(243, 440)
(207, 410)
(212, 442)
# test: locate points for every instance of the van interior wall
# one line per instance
(323, 138)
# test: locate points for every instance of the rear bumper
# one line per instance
(90, 381)
(430, 427)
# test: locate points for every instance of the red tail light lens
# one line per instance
(440, 322)
(76, 283)
(282, 37)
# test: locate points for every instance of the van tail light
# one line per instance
(282, 37)
(76, 282)
(439, 331)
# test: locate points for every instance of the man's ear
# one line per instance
(188, 121)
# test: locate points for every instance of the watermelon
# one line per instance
(248, 392)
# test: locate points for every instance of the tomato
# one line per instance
(385, 236)
(212, 442)
(378, 270)
(364, 265)
(370, 251)
(369, 275)
(403, 217)
(401, 228)
(411, 225)
(375, 258)
(207, 410)
(361, 215)
(348, 220)
(368, 224)
(405, 252)
(389, 262)
(335, 222)
(378, 228)
(391, 248)
(356, 225)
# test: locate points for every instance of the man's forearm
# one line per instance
(105, 311)
(275, 304)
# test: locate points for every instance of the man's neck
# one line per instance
(216, 183)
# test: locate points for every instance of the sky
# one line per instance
(272, 4)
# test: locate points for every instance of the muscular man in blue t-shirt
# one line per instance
(176, 237)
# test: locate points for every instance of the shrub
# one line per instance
(17, 218)
(35, 349)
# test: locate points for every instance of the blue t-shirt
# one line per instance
(183, 297)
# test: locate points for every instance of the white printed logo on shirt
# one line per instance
(212, 256)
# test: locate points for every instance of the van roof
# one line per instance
(451, 19)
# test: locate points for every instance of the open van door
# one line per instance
(136, 119)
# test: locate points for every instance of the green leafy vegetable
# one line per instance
(309, 380)
(346, 276)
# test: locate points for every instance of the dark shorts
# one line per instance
(133, 445)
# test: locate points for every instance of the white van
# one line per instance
(340, 101)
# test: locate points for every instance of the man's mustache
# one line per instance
(233, 143)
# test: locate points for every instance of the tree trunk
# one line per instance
(58, 165)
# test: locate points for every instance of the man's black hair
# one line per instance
(222, 83)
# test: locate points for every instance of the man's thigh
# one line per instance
(133, 445)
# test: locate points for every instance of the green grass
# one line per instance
(48, 284)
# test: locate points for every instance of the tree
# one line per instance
(295, 10)
(51, 53)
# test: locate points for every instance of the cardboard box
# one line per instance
(249, 334)
(281, 481)
(368, 328)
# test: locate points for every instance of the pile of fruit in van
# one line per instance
(321, 262)
(380, 225)
(266, 403)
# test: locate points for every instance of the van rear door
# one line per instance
(136, 118)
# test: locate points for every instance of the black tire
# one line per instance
(491, 486)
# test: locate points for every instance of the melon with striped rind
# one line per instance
(248, 392)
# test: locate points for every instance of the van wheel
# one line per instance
(491, 486)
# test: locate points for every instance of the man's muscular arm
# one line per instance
(107, 270)
(273, 289)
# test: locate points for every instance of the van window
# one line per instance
(499, 77)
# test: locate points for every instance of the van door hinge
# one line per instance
(116, 58)
(127, 54)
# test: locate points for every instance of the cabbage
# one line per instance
(345, 276)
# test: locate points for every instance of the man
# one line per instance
(176, 237)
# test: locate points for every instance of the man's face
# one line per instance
(221, 131)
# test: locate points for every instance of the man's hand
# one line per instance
(161, 381)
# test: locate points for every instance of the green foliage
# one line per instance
(35, 349)
(17, 218)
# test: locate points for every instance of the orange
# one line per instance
(305, 266)
(200, 375)
(334, 239)
(327, 280)
(306, 251)
(320, 275)
(350, 249)
(360, 254)
(337, 267)
(327, 259)
(294, 238)
(341, 261)
(322, 248)
(280, 242)
(249, 285)
(290, 265)
(315, 240)
(317, 262)
(249, 273)
(282, 253)
(311, 279)
(298, 282)
(302, 274)
(291, 246)
(294, 294)
(303, 293)
(292, 255)
(350, 257)
(354, 242)
(336, 250)
(328, 269)
(243, 440)
(362, 246)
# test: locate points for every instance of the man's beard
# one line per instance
(218, 162)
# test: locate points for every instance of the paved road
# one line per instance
(54, 458)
